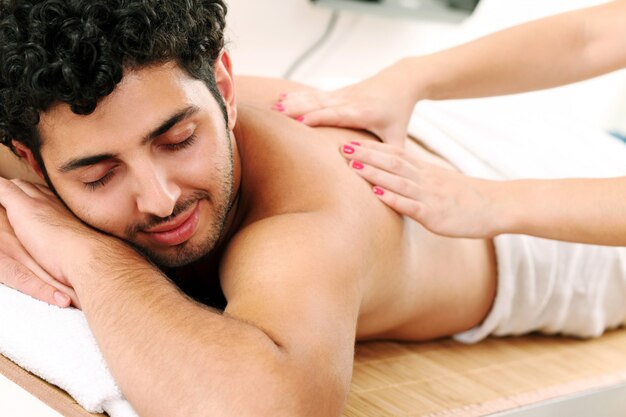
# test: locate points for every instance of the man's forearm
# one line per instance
(577, 210)
(541, 54)
(170, 355)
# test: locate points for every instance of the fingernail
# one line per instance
(279, 107)
(378, 191)
(357, 165)
(61, 299)
(300, 118)
(356, 143)
(348, 149)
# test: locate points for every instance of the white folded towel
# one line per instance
(57, 345)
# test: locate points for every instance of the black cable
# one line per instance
(332, 23)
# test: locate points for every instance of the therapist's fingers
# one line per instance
(340, 116)
(389, 158)
(297, 104)
(317, 108)
(403, 205)
(346, 108)
(405, 185)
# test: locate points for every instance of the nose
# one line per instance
(156, 193)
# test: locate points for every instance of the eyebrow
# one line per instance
(165, 126)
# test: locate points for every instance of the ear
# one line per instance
(225, 83)
(27, 155)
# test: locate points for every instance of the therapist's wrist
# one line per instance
(399, 79)
(516, 210)
(420, 77)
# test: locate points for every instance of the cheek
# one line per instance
(198, 173)
(108, 213)
(204, 169)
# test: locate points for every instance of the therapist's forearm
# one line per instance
(541, 54)
(171, 356)
(575, 210)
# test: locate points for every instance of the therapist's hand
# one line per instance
(444, 201)
(21, 272)
(381, 105)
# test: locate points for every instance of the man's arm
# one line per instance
(282, 348)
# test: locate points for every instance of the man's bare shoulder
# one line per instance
(312, 225)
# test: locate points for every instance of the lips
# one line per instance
(176, 231)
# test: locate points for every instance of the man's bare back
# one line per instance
(410, 288)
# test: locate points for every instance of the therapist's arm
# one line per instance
(449, 203)
(575, 210)
(545, 53)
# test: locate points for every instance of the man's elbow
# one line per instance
(313, 397)
(277, 395)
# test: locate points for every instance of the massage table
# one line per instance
(444, 378)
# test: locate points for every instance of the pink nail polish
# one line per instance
(348, 149)
(278, 107)
(356, 143)
(300, 119)
(378, 191)
(357, 165)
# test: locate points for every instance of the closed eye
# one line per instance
(181, 145)
(94, 185)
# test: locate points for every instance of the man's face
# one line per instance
(152, 165)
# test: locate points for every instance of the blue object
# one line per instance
(621, 136)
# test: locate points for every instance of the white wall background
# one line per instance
(266, 36)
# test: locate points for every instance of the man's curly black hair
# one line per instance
(75, 52)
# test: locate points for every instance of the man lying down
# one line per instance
(164, 174)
